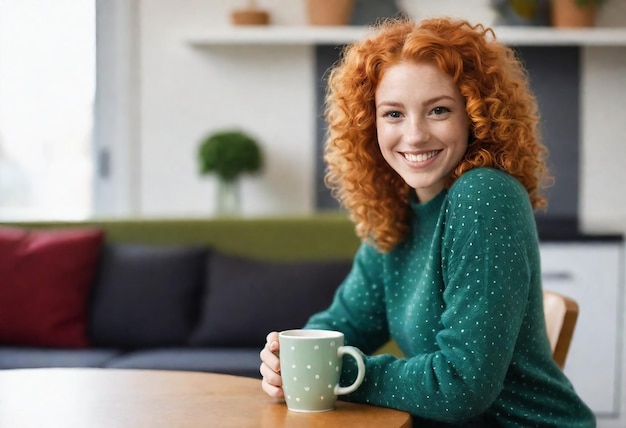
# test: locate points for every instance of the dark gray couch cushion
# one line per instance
(27, 358)
(239, 362)
(245, 299)
(146, 296)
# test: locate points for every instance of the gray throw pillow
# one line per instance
(245, 299)
(146, 296)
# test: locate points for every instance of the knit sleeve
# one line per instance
(486, 275)
(358, 308)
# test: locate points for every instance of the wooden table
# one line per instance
(80, 398)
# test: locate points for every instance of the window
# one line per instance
(47, 86)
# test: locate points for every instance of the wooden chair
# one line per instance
(561, 313)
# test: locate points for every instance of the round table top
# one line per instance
(79, 398)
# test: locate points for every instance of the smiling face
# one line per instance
(422, 125)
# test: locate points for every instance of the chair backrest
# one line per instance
(561, 313)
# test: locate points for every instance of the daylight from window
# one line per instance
(47, 86)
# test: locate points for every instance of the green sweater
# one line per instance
(462, 297)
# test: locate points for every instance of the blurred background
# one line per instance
(103, 103)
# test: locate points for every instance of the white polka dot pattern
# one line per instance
(462, 298)
(311, 364)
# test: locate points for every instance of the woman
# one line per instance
(434, 150)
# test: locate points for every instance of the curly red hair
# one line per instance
(502, 111)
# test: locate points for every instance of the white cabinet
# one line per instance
(593, 274)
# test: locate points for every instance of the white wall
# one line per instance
(603, 140)
(187, 92)
(182, 93)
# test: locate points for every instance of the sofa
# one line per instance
(176, 294)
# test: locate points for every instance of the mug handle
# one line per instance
(358, 356)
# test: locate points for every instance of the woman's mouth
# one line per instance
(420, 157)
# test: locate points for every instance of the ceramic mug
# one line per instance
(310, 365)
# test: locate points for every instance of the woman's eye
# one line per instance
(440, 110)
(393, 114)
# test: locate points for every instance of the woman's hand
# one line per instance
(270, 367)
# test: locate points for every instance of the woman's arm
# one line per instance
(358, 308)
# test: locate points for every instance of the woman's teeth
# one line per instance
(421, 157)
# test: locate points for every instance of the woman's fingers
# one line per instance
(269, 354)
(270, 367)
(272, 390)
(272, 339)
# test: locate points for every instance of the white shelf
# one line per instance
(546, 36)
(278, 35)
(304, 35)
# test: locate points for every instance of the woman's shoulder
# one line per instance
(490, 198)
(486, 180)
(488, 189)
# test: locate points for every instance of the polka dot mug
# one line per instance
(310, 364)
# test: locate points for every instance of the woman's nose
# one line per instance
(416, 132)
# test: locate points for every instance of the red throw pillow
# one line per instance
(45, 277)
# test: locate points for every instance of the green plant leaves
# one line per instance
(229, 154)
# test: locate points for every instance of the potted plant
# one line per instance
(250, 15)
(329, 12)
(574, 13)
(228, 154)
